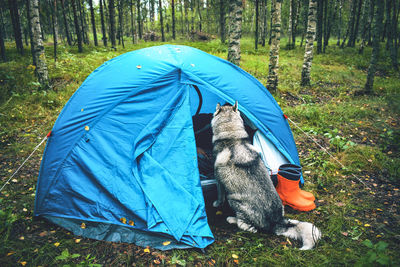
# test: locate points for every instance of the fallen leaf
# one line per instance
(235, 256)
(56, 244)
(77, 240)
(42, 234)
(367, 225)
(236, 261)
(345, 233)
(156, 261)
(123, 220)
(23, 263)
(131, 223)
(340, 204)
(22, 238)
(146, 250)
(166, 243)
(10, 253)
(218, 213)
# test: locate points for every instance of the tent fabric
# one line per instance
(122, 152)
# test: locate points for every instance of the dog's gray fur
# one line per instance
(249, 189)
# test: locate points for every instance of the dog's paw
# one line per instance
(217, 203)
(231, 220)
(246, 227)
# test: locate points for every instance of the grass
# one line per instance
(358, 214)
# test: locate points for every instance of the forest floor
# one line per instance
(357, 207)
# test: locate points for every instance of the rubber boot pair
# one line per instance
(289, 190)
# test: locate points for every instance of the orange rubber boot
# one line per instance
(290, 194)
(293, 171)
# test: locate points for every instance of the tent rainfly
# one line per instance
(121, 163)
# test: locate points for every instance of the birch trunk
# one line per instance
(38, 48)
(310, 37)
(272, 80)
(235, 31)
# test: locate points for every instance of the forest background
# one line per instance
(332, 65)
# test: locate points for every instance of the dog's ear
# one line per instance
(236, 106)
(218, 108)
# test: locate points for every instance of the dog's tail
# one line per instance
(306, 232)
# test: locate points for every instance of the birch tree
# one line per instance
(38, 48)
(272, 80)
(235, 31)
(14, 13)
(310, 37)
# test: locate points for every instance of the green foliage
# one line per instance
(376, 255)
(67, 258)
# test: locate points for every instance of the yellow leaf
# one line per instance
(236, 261)
(87, 128)
(56, 244)
(23, 263)
(218, 212)
(146, 250)
(367, 225)
(131, 223)
(235, 256)
(379, 209)
(123, 220)
(83, 225)
(166, 243)
(10, 253)
(78, 240)
(21, 238)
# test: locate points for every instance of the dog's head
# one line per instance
(227, 122)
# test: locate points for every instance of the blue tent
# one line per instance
(121, 163)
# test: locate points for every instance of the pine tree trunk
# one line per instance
(366, 24)
(161, 20)
(111, 11)
(264, 22)
(66, 26)
(2, 37)
(356, 27)
(272, 80)
(139, 20)
(173, 19)
(13, 6)
(305, 18)
(93, 22)
(235, 31)
(392, 45)
(352, 22)
(200, 17)
(256, 6)
(81, 10)
(38, 48)
(77, 26)
(103, 25)
(28, 18)
(308, 54)
(55, 27)
(121, 22)
(133, 24)
(320, 23)
(339, 22)
(222, 20)
(377, 29)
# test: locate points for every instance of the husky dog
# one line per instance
(248, 187)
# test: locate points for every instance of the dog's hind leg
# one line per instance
(246, 227)
(242, 225)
